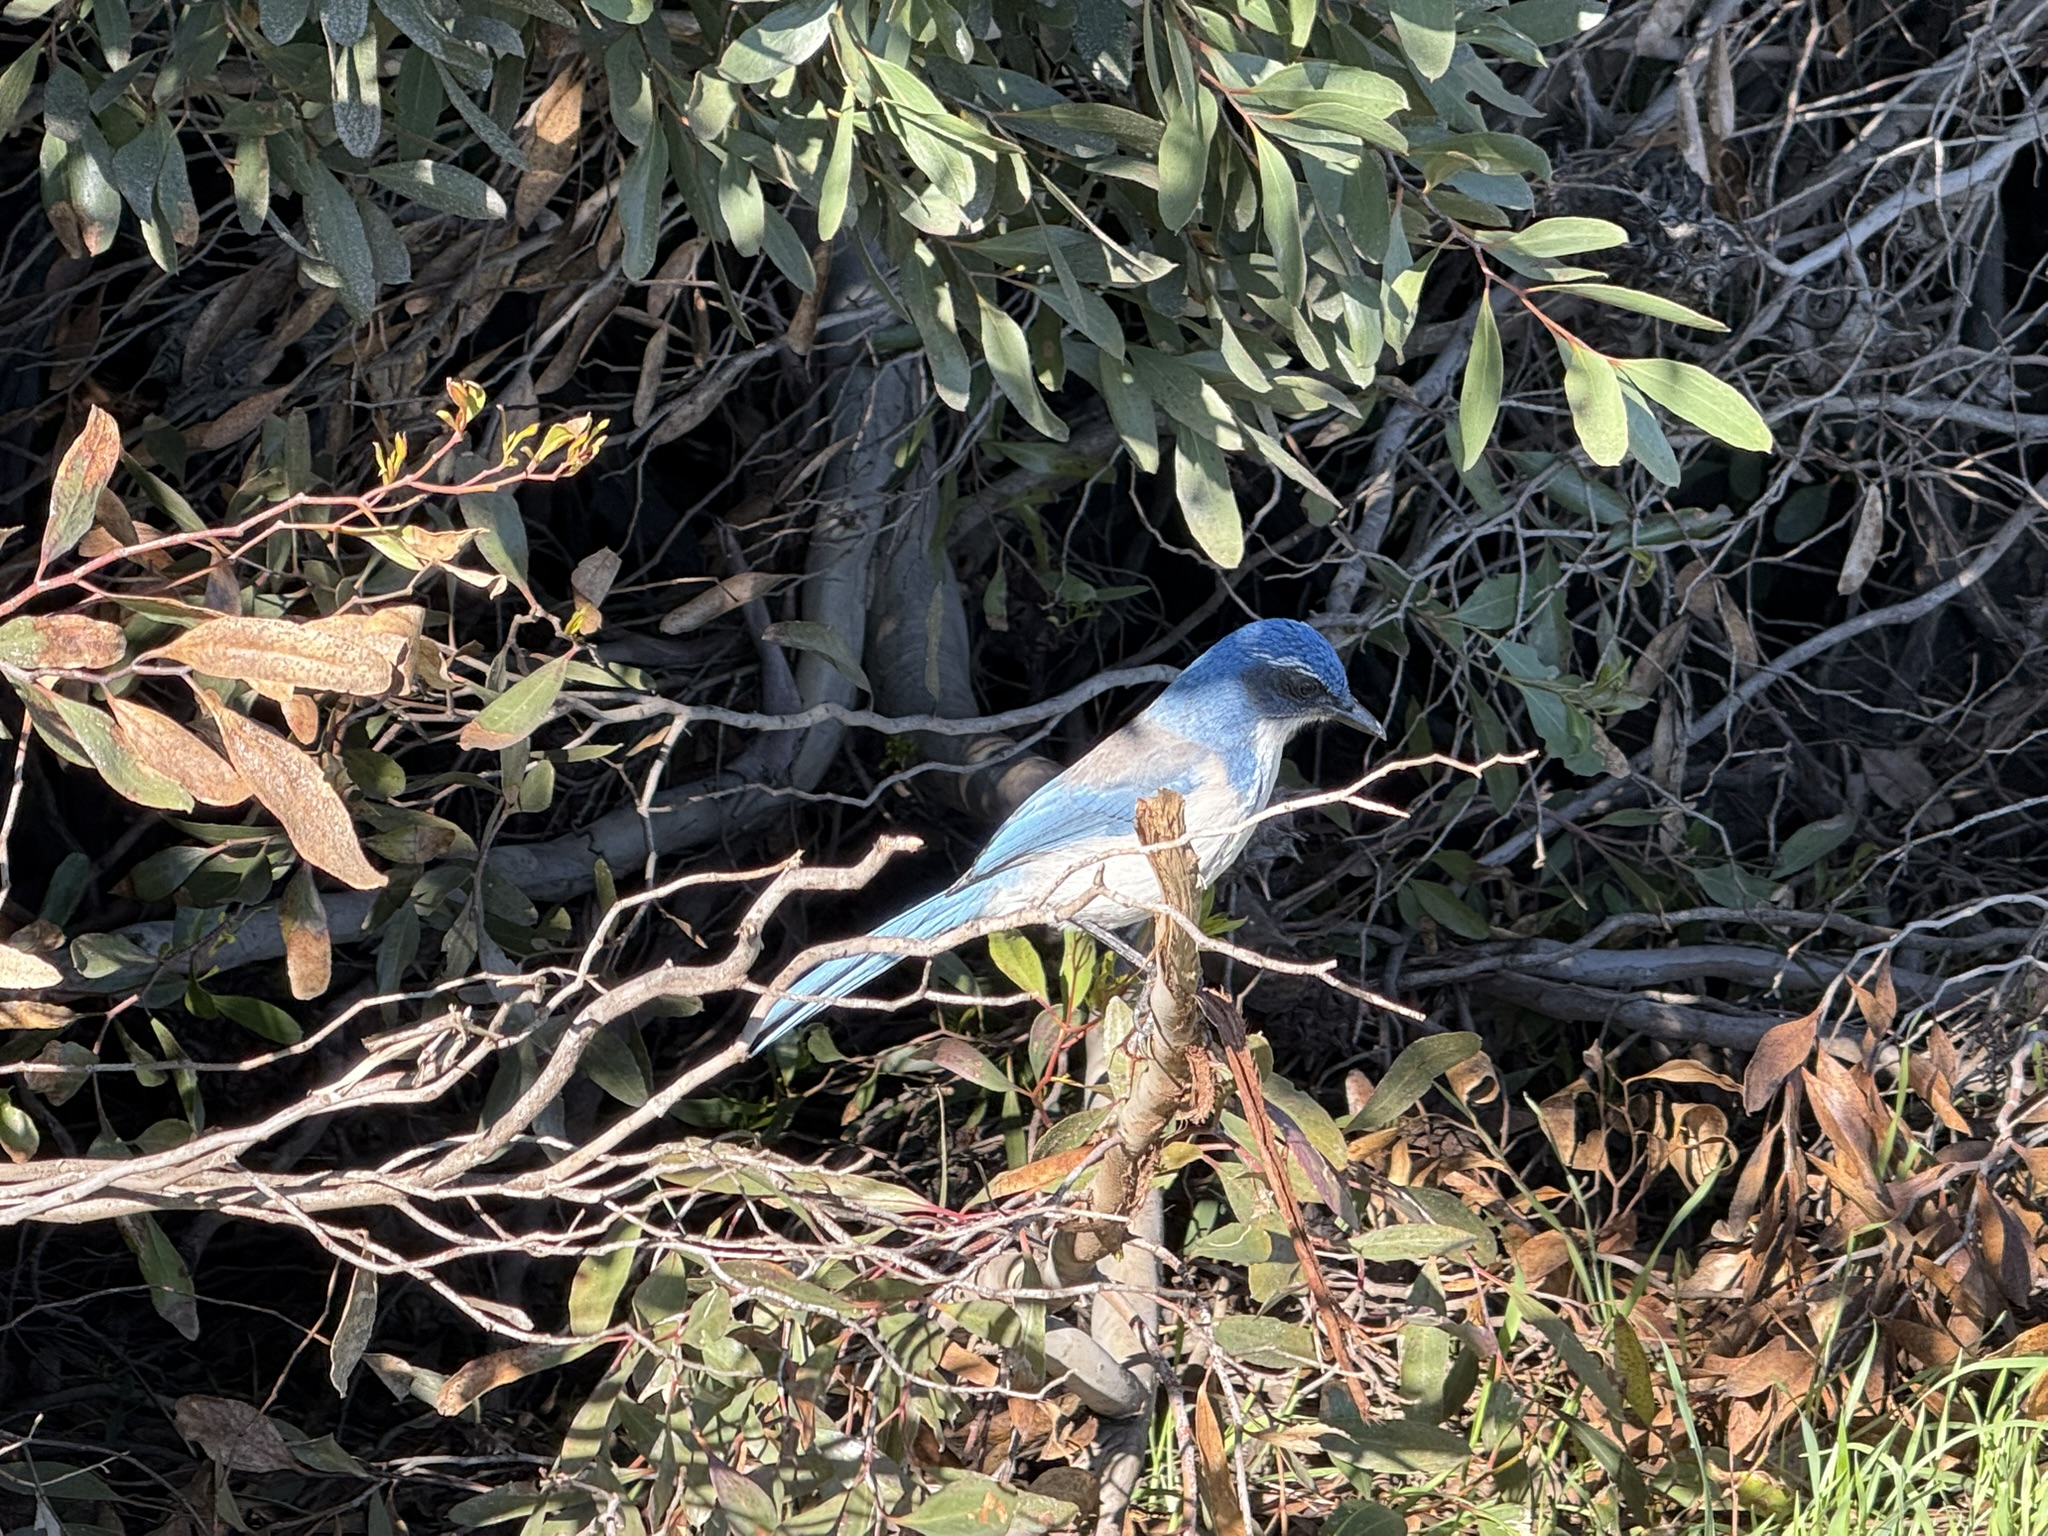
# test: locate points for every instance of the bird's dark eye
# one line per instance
(1300, 687)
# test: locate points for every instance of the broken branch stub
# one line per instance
(1168, 1076)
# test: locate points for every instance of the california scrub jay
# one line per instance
(1215, 735)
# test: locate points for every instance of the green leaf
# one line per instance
(1441, 903)
(358, 101)
(123, 771)
(1410, 1242)
(339, 237)
(164, 1272)
(15, 82)
(1428, 30)
(965, 1062)
(820, 640)
(252, 183)
(969, 1505)
(1730, 885)
(266, 1021)
(280, 20)
(514, 714)
(1646, 440)
(442, 187)
(1201, 482)
(785, 247)
(1479, 397)
(929, 299)
(781, 40)
(1496, 603)
(1130, 409)
(1548, 238)
(594, 1292)
(1409, 1078)
(640, 189)
(836, 192)
(1640, 303)
(629, 88)
(1593, 390)
(1812, 843)
(1184, 158)
(501, 532)
(480, 122)
(1280, 209)
(1265, 1341)
(1009, 360)
(1364, 1517)
(19, 1137)
(1695, 395)
(1018, 959)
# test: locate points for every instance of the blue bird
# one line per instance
(1215, 734)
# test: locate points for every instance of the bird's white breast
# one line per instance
(1110, 880)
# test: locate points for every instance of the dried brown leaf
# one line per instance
(308, 951)
(557, 122)
(489, 1372)
(2007, 1251)
(1929, 1346)
(176, 753)
(1898, 777)
(1781, 1052)
(292, 788)
(1655, 664)
(82, 473)
(1778, 1364)
(235, 1435)
(1880, 1004)
(25, 1013)
(1213, 1472)
(22, 971)
(302, 715)
(1043, 1174)
(244, 416)
(1683, 1069)
(64, 641)
(726, 596)
(1865, 542)
(282, 653)
(1543, 1253)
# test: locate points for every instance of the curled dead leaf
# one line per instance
(281, 653)
(1043, 1174)
(1658, 657)
(723, 598)
(489, 1372)
(179, 755)
(292, 788)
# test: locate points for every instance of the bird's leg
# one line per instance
(1108, 940)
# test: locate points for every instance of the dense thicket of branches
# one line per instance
(1669, 1057)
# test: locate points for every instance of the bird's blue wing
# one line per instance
(1063, 814)
(1094, 801)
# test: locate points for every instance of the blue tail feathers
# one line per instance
(812, 992)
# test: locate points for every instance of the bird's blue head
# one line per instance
(1287, 672)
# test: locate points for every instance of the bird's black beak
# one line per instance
(1357, 714)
